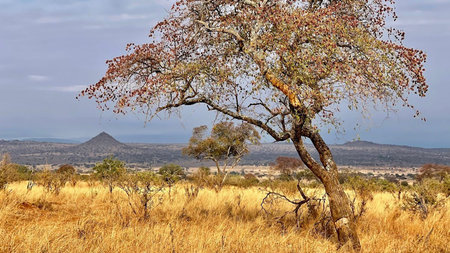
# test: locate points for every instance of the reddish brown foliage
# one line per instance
(287, 164)
(253, 60)
(430, 170)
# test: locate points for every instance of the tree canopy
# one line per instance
(258, 60)
(287, 165)
(109, 171)
(227, 143)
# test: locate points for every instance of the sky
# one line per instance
(50, 50)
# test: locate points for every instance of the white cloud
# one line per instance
(125, 17)
(38, 78)
(72, 88)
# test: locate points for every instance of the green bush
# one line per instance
(171, 173)
(109, 171)
(11, 172)
(362, 193)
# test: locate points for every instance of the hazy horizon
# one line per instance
(151, 139)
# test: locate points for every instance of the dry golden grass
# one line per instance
(84, 219)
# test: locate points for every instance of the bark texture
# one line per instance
(327, 173)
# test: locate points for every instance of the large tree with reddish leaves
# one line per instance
(284, 66)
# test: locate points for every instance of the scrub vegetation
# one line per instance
(146, 212)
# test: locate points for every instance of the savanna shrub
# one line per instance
(109, 171)
(141, 189)
(51, 181)
(424, 197)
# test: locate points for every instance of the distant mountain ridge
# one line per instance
(52, 140)
(355, 153)
(360, 143)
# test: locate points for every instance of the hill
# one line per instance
(357, 153)
(100, 144)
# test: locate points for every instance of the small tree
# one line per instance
(287, 166)
(430, 170)
(141, 189)
(109, 171)
(202, 176)
(67, 173)
(425, 197)
(225, 146)
(66, 169)
(171, 173)
(7, 171)
(10, 172)
(23, 172)
(51, 181)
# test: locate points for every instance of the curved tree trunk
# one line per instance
(327, 173)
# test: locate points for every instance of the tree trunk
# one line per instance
(340, 207)
(341, 213)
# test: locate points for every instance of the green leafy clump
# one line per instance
(109, 171)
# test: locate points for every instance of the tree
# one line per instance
(141, 188)
(66, 169)
(287, 165)
(285, 66)
(7, 171)
(171, 173)
(109, 171)
(51, 181)
(67, 173)
(10, 172)
(227, 144)
(429, 170)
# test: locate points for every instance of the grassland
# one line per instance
(89, 219)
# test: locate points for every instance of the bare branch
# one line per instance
(224, 30)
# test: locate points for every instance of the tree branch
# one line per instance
(265, 127)
(324, 151)
(234, 33)
(307, 159)
(277, 136)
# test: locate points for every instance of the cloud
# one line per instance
(125, 17)
(38, 78)
(72, 88)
